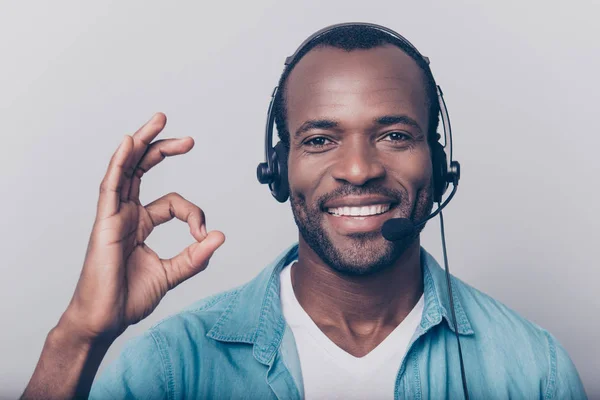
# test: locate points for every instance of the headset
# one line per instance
(273, 171)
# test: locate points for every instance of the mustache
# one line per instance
(350, 190)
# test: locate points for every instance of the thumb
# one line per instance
(193, 258)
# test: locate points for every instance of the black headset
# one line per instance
(274, 170)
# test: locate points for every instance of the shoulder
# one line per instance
(153, 364)
(198, 318)
(487, 314)
(508, 338)
(498, 326)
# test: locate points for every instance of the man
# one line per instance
(345, 313)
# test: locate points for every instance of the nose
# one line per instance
(358, 164)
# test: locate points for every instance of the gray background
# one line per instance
(520, 79)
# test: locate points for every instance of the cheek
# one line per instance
(413, 169)
(304, 175)
(307, 175)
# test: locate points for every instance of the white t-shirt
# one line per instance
(328, 371)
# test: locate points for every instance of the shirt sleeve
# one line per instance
(564, 381)
(140, 372)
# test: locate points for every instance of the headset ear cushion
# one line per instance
(280, 186)
(440, 171)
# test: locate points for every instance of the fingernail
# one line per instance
(203, 230)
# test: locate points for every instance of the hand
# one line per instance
(123, 280)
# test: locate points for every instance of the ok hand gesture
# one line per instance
(123, 280)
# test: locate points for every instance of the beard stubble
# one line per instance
(358, 254)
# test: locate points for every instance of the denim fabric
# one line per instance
(236, 345)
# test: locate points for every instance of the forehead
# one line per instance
(354, 86)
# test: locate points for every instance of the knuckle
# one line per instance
(128, 172)
(104, 187)
(174, 196)
(139, 172)
(196, 213)
(156, 148)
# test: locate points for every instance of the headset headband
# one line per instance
(327, 29)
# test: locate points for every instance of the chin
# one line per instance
(357, 254)
(357, 249)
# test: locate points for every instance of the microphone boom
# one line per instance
(398, 228)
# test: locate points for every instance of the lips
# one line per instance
(360, 211)
(359, 214)
(359, 201)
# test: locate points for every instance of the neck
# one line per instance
(359, 304)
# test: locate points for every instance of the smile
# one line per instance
(347, 220)
(360, 212)
(350, 215)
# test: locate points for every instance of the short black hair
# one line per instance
(350, 38)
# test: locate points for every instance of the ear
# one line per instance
(280, 187)
(438, 161)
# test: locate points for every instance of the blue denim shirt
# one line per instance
(236, 345)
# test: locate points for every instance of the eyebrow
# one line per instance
(316, 124)
(385, 120)
(397, 119)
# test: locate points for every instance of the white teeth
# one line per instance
(359, 211)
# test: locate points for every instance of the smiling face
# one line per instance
(358, 124)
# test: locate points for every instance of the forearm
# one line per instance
(66, 368)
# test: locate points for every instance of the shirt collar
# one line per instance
(254, 315)
(437, 303)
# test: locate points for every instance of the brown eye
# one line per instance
(318, 141)
(397, 137)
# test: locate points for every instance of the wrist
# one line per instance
(67, 335)
(67, 366)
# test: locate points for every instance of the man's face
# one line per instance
(359, 155)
